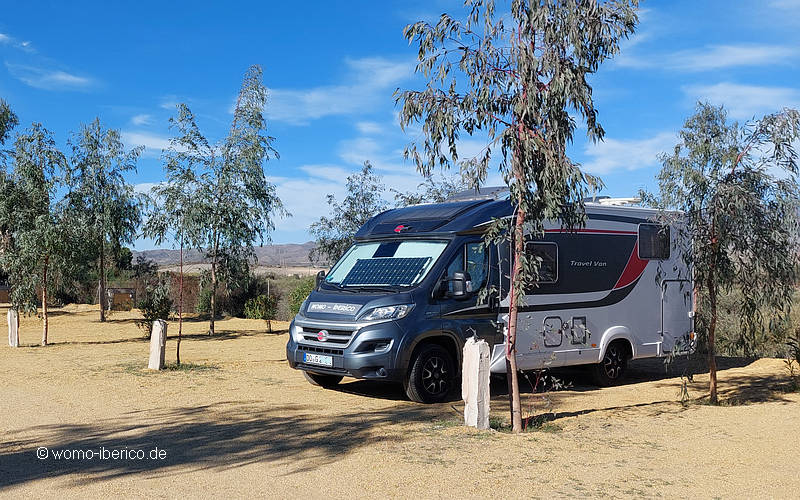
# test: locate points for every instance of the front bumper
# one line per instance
(355, 358)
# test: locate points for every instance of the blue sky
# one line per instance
(332, 67)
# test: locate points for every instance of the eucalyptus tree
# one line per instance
(512, 78)
(737, 185)
(41, 251)
(235, 201)
(8, 120)
(333, 234)
(172, 208)
(100, 196)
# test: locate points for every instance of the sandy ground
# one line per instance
(240, 422)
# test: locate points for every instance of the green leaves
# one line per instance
(8, 120)
(511, 81)
(334, 234)
(738, 186)
(217, 196)
(38, 241)
(99, 193)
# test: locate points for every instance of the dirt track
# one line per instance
(242, 423)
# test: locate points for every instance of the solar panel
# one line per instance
(386, 271)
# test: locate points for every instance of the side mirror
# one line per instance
(318, 279)
(462, 285)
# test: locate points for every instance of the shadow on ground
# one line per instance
(577, 379)
(219, 436)
(219, 335)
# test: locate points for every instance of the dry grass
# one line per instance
(237, 421)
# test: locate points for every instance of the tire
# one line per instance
(323, 380)
(431, 378)
(611, 370)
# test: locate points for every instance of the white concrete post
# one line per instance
(13, 331)
(475, 383)
(158, 343)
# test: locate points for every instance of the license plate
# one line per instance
(317, 359)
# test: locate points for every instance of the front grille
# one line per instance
(335, 337)
(320, 350)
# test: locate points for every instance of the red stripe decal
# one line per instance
(633, 269)
(597, 231)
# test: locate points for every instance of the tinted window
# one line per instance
(548, 253)
(653, 241)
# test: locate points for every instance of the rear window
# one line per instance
(548, 253)
(653, 241)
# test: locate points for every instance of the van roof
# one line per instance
(463, 214)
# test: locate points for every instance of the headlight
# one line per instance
(387, 312)
(296, 331)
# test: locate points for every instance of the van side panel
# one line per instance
(603, 292)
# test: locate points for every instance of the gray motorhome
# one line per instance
(400, 303)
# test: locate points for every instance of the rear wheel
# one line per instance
(323, 380)
(611, 369)
(432, 375)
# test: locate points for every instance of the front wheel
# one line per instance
(323, 380)
(432, 375)
(610, 371)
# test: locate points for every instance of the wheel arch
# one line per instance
(446, 340)
(617, 334)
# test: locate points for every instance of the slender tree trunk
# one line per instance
(44, 301)
(180, 310)
(102, 270)
(712, 326)
(214, 285)
(511, 346)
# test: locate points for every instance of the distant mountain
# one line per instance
(289, 254)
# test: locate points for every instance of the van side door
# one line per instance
(470, 316)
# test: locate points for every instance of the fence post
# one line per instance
(13, 328)
(158, 343)
(475, 383)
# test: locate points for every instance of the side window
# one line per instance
(476, 264)
(653, 241)
(472, 259)
(548, 252)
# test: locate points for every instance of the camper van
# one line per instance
(400, 303)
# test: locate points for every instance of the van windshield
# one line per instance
(386, 263)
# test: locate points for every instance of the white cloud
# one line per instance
(626, 154)
(745, 101)
(152, 143)
(48, 79)
(713, 57)
(6, 39)
(169, 102)
(327, 172)
(142, 119)
(305, 199)
(359, 150)
(371, 82)
(144, 187)
(369, 127)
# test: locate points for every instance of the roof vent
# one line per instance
(612, 202)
